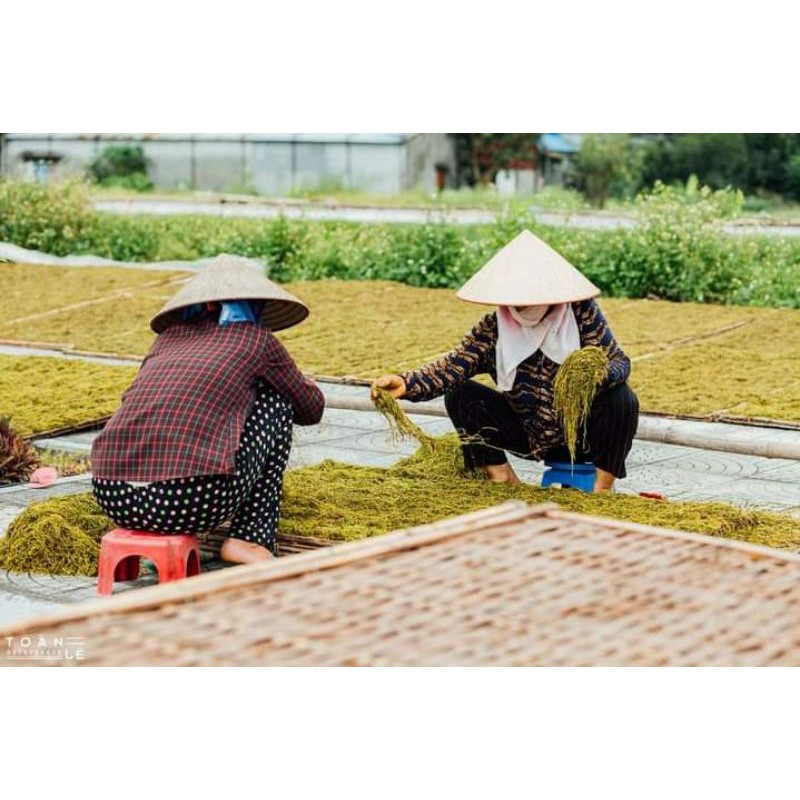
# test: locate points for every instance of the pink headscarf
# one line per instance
(520, 334)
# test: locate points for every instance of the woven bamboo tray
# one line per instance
(512, 585)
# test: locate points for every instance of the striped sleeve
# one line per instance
(472, 357)
(595, 330)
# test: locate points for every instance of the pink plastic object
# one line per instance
(42, 477)
(652, 495)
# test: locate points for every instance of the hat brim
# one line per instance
(502, 299)
(229, 278)
(277, 315)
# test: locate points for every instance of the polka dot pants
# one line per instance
(251, 498)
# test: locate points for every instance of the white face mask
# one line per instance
(530, 315)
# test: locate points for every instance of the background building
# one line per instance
(556, 154)
(281, 164)
(266, 163)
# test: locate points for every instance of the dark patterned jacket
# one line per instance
(532, 394)
(185, 411)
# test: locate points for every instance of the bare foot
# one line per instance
(604, 481)
(238, 551)
(502, 473)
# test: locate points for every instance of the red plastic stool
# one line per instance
(175, 556)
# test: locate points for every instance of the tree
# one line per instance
(483, 155)
(769, 157)
(607, 164)
(793, 177)
(747, 161)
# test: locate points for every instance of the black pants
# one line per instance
(480, 412)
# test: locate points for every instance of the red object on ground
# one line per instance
(42, 477)
(652, 495)
(176, 556)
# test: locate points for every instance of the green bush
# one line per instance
(123, 238)
(122, 166)
(676, 252)
(44, 217)
(59, 219)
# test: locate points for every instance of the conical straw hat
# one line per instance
(527, 272)
(235, 278)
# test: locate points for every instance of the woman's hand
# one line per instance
(393, 384)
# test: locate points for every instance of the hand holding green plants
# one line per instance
(393, 384)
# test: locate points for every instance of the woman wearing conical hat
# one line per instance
(203, 433)
(545, 310)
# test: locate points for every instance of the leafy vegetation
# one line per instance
(677, 252)
(122, 166)
(793, 176)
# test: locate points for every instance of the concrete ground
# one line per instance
(362, 437)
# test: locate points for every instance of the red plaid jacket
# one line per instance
(184, 413)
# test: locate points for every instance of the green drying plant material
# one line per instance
(341, 502)
(574, 389)
(437, 455)
(18, 458)
(56, 537)
(688, 358)
(42, 394)
(399, 423)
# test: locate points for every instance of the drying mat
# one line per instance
(285, 544)
(504, 586)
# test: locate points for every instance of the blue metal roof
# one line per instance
(565, 143)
